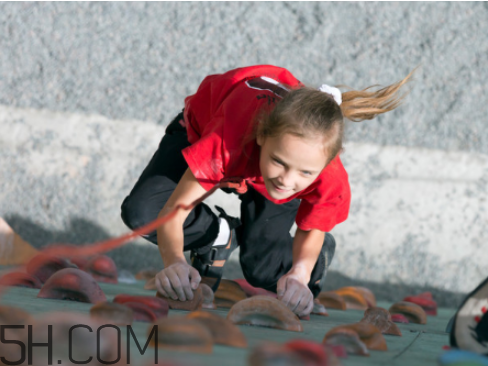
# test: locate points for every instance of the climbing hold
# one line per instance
(413, 312)
(20, 279)
(223, 331)
(159, 306)
(461, 357)
(331, 300)
(425, 301)
(399, 318)
(348, 338)
(274, 354)
(191, 305)
(43, 266)
(228, 293)
(359, 298)
(381, 319)
(142, 312)
(68, 329)
(102, 268)
(208, 297)
(318, 308)
(250, 290)
(181, 334)
(10, 315)
(72, 284)
(264, 311)
(113, 313)
(312, 353)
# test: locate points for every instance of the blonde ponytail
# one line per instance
(360, 105)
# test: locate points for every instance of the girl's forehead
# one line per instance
(298, 148)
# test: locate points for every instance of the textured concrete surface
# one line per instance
(87, 88)
(139, 60)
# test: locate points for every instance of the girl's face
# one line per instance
(289, 164)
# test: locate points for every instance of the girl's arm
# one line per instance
(292, 288)
(174, 280)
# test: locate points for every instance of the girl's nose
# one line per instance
(286, 180)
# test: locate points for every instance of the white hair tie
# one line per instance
(336, 93)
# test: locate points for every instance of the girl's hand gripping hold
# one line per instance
(177, 281)
(295, 294)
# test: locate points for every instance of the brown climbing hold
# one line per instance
(368, 295)
(10, 315)
(348, 338)
(264, 311)
(399, 318)
(72, 284)
(381, 319)
(425, 301)
(331, 300)
(44, 266)
(113, 313)
(102, 268)
(369, 334)
(228, 293)
(208, 297)
(223, 331)
(20, 279)
(318, 308)
(413, 312)
(250, 290)
(191, 305)
(357, 298)
(181, 334)
(147, 274)
(159, 306)
(274, 354)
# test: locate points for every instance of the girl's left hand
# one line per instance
(295, 294)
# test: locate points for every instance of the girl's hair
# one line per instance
(306, 112)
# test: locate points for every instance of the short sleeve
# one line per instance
(328, 204)
(204, 157)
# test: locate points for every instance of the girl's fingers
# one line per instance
(176, 284)
(183, 276)
(164, 287)
(305, 306)
(195, 278)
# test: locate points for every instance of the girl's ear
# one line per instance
(260, 140)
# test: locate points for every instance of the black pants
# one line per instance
(264, 238)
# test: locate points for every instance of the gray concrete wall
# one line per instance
(87, 88)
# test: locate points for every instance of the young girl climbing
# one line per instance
(283, 139)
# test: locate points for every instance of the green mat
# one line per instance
(419, 345)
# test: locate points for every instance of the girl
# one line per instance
(260, 124)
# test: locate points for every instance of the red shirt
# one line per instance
(219, 119)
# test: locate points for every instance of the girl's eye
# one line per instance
(306, 173)
(278, 162)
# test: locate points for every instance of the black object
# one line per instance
(470, 326)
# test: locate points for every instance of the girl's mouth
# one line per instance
(281, 190)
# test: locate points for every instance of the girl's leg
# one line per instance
(157, 183)
(266, 244)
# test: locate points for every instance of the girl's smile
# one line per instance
(289, 163)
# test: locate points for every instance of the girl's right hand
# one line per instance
(177, 281)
